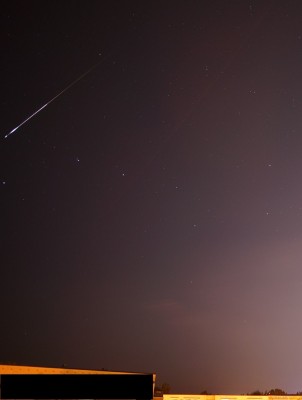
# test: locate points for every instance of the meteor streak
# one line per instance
(53, 99)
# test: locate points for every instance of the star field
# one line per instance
(151, 214)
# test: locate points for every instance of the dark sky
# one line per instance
(151, 215)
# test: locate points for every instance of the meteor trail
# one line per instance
(51, 100)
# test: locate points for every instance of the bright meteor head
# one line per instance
(7, 135)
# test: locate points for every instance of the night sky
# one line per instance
(151, 215)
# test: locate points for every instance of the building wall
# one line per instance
(225, 397)
(23, 369)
